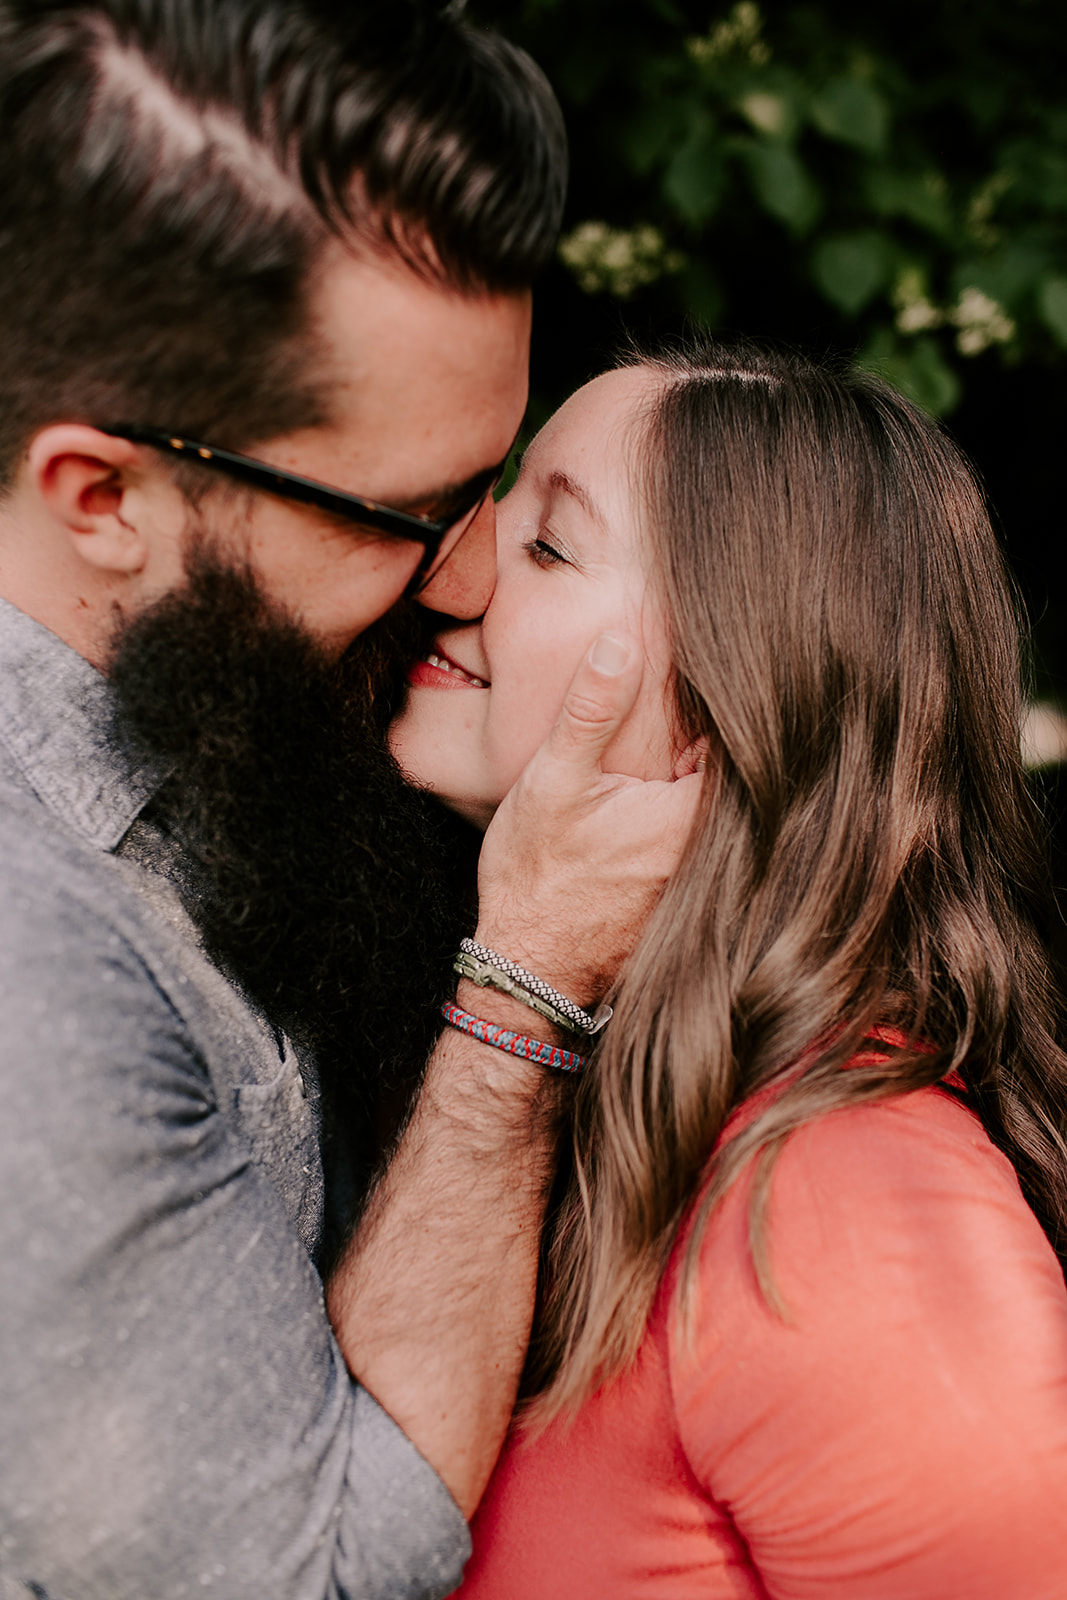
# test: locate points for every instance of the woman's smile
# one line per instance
(438, 671)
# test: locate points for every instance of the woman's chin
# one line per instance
(479, 813)
(432, 763)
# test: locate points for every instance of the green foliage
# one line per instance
(850, 268)
(849, 110)
(782, 184)
(890, 179)
(1052, 304)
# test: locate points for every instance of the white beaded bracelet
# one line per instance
(507, 976)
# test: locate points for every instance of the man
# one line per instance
(306, 240)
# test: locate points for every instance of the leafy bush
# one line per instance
(888, 179)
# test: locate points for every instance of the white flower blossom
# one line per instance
(739, 33)
(982, 321)
(915, 311)
(617, 260)
(769, 113)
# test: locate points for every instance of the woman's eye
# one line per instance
(543, 553)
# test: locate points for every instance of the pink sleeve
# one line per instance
(904, 1436)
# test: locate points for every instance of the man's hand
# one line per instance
(575, 858)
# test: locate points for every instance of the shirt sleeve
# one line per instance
(902, 1434)
(177, 1417)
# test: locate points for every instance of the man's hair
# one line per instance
(170, 171)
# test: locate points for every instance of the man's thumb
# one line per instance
(601, 694)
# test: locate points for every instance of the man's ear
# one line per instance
(82, 477)
(694, 758)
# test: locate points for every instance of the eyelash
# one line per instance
(544, 554)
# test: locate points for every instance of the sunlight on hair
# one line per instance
(129, 83)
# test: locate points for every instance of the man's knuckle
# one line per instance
(585, 710)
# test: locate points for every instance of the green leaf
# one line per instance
(783, 185)
(693, 181)
(701, 293)
(1007, 275)
(651, 132)
(918, 370)
(852, 267)
(850, 111)
(668, 11)
(1052, 304)
(1041, 173)
(922, 197)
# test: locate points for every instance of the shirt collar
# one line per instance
(55, 719)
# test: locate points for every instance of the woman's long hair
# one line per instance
(867, 854)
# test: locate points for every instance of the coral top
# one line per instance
(904, 1437)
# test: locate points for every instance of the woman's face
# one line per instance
(570, 566)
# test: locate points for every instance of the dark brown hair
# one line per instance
(170, 170)
(867, 854)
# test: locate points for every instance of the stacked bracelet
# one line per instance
(516, 1044)
(485, 967)
(486, 976)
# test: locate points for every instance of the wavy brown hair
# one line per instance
(867, 853)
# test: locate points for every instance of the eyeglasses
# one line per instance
(438, 537)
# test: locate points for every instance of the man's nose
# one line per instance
(463, 586)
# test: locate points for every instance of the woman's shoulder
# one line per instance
(922, 1321)
(882, 1162)
(886, 1164)
(904, 1196)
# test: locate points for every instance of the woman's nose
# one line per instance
(464, 585)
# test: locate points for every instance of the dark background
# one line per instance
(812, 172)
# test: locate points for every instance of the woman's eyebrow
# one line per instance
(563, 481)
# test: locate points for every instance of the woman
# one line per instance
(801, 1335)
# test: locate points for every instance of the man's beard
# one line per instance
(330, 891)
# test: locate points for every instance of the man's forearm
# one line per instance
(433, 1299)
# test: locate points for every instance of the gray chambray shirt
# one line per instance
(175, 1416)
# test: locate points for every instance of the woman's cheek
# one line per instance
(525, 712)
(536, 635)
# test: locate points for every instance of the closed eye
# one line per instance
(543, 553)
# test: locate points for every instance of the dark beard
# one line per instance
(328, 889)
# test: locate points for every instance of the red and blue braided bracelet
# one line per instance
(516, 1044)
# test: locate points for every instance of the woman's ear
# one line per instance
(694, 758)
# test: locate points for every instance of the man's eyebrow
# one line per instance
(567, 485)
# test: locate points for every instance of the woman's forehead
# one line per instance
(594, 432)
(582, 466)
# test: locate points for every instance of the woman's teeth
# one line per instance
(444, 665)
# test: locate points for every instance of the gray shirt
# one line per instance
(176, 1418)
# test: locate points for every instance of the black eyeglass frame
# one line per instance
(427, 531)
